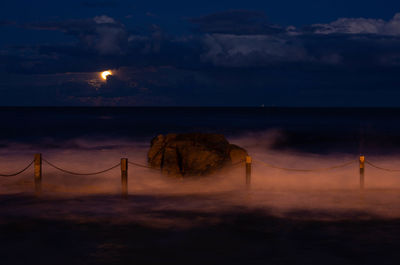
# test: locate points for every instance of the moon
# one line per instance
(105, 74)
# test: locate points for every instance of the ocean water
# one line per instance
(87, 140)
(280, 219)
(318, 130)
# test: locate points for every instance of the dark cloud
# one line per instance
(105, 43)
(6, 23)
(252, 50)
(360, 26)
(87, 54)
(238, 22)
(100, 3)
(348, 43)
(102, 33)
(236, 58)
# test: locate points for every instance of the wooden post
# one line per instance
(362, 167)
(38, 174)
(124, 177)
(248, 171)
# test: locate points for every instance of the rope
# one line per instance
(237, 163)
(308, 170)
(81, 174)
(143, 166)
(19, 172)
(381, 168)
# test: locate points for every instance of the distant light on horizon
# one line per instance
(105, 74)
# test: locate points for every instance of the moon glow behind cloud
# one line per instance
(105, 74)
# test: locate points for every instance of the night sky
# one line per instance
(310, 53)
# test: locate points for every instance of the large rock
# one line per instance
(193, 154)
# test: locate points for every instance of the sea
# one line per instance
(304, 204)
(316, 130)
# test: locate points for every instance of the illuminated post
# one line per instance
(362, 167)
(248, 171)
(124, 177)
(38, 173)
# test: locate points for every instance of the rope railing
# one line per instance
(143, 166)
(18, 172)
(246, 163)
(307, 170)
(81, 174)
(381, 168)
(234, 164)
(157, 169)
(238, 163)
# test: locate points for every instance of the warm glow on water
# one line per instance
(330, 195)
(105, 74)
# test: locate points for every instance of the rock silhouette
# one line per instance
(193, 154)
